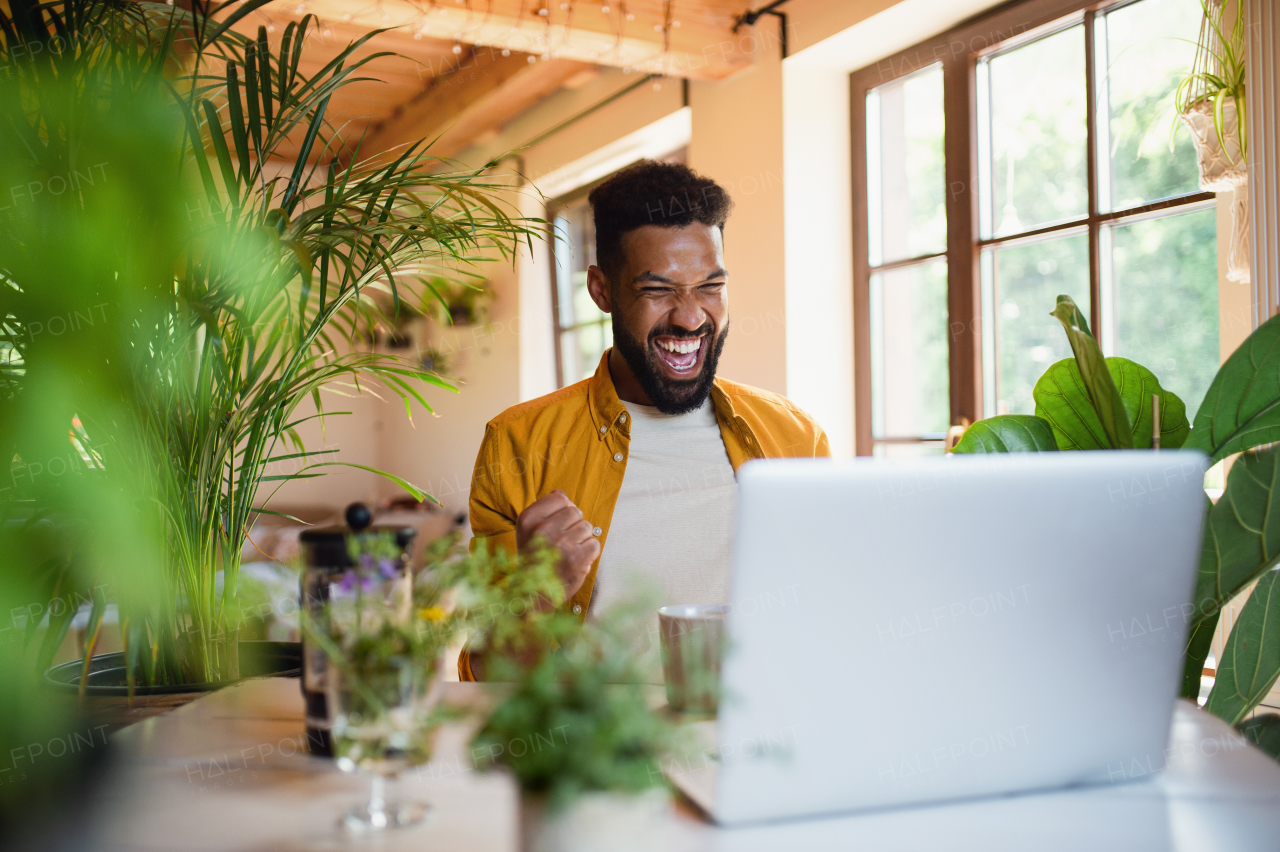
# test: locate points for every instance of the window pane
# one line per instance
(580, 346)
(1149, 47)
(1024, 282)
(1038, 134)
(1166, 296)
(908, 451)
(906, 181)
(910, 383)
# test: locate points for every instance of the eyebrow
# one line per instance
(662, 279)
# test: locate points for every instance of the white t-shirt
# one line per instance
(673, 521)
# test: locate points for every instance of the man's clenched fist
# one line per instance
(556, 519)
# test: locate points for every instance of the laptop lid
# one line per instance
(952, 627)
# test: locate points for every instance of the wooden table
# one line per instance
(228, 772)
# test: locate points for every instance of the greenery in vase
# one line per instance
(1093, 403)
(233, 296)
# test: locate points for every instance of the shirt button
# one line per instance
(622, 419)
(596, 531)
(577, 609)
(617, 456)
(604, 429)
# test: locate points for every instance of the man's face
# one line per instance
(670, 308)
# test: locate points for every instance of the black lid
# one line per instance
(326, 547)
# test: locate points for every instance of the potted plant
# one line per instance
(230, 297)
(581, 738)
(1211, 102)
(1210, 99)
(1090, 403)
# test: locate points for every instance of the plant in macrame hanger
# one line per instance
(1210, 100)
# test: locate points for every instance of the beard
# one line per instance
(670, 396)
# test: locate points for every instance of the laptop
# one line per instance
(949, 628)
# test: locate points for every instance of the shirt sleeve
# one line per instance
(492, 513)
(822, 447)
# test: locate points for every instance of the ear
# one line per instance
(598, 287)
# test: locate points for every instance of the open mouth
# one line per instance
(682, 356)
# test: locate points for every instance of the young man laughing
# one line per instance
(630, 474)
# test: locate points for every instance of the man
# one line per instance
(631, 473)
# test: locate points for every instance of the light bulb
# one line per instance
(605, 9)
(506, 52)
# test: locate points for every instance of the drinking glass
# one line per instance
(693, 642)
(382, 727)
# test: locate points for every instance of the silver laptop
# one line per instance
(949, 628)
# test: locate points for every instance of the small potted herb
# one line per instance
(581, 738)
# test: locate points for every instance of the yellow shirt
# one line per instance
(576, 440)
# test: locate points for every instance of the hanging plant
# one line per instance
(1210, 100)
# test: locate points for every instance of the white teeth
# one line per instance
(683, 347)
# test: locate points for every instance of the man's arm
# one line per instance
(553, 518)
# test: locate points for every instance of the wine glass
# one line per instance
(381, 727)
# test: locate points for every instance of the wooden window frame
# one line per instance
(958, 51)
(553, 209)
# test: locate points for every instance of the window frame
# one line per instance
(554, 207)
(959, 51)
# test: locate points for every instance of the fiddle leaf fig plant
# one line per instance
(1093, 403)
(1008, 433)
(1063, 400)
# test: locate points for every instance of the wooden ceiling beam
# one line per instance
(483, 90)
(680, 38)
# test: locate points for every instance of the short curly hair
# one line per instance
(652, 192)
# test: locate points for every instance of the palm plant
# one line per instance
(261, 299)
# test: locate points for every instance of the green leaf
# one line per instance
(1063, 400)
(1199, 640)
(1008, 433)
(1251, 657)
(1096, 379)
(1264, 732)
(1241, 410)
(1242, 533)
(220, 148)
(418, 493)
(1136, 385)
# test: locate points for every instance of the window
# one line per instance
(583, 331)
(1022, 156)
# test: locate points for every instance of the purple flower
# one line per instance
(389, 569)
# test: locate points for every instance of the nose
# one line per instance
(688, 314)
